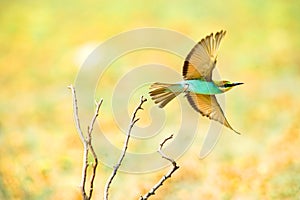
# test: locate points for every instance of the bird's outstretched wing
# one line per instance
(208, 106)
(201, 60)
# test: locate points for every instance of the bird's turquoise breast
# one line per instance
(201, 87)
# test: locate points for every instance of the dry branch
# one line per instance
(166, 176)
(87, 145)
(117, 166)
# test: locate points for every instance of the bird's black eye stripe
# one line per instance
(227, 85)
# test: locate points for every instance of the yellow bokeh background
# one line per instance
(41, 46)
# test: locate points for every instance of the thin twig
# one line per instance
(75, 108)
(166, 176)
(91, 126)
(117, 166)
(89, 139)
(84, 142)
(87, 145)
(84, 169)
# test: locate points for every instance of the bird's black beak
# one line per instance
(235, 84)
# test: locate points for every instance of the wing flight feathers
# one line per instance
(208, 106)
(201, 60)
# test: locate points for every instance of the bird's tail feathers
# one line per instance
(163, 93)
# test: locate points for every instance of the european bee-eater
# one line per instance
(198, 86)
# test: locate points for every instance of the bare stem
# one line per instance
(125, 146)
(89, 139)
(166, 176)
(87, 145)
(75, 108)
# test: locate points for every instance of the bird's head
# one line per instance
(224, 86)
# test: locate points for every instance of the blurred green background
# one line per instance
(41, 44)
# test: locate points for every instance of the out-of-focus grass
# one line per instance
(40, 151)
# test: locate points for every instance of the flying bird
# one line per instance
(198, 86)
